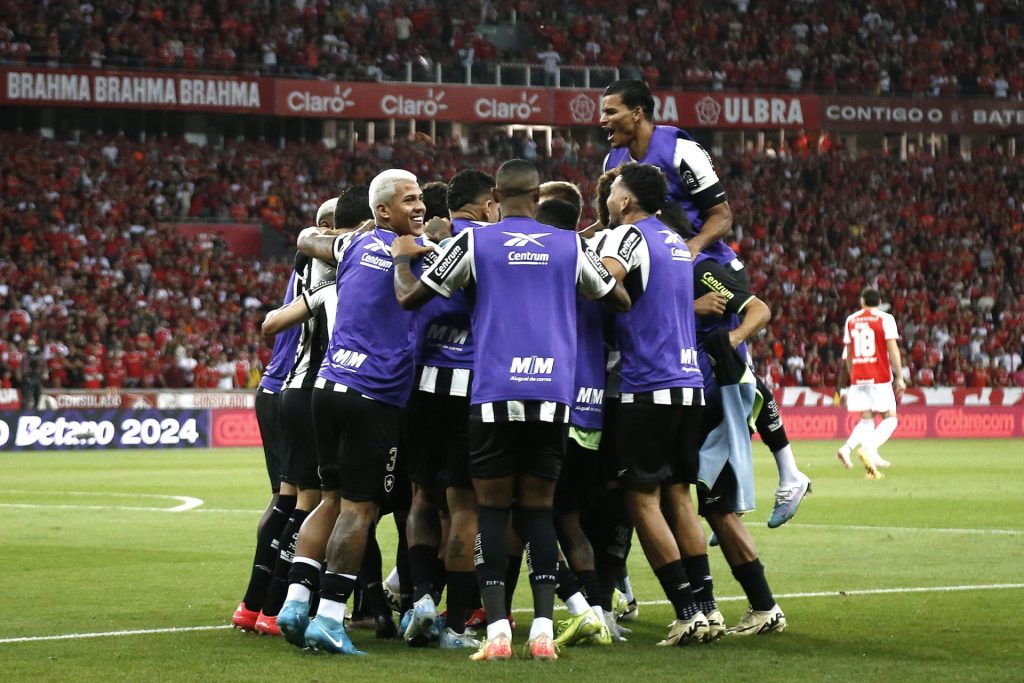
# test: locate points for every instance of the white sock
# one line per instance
(883, 431)
(789, 473)
(392, 581)
(860, 434)
(541, 626)
(296, 591)
(577, 604)
(629, 590)
(331, 609)
(502, 628)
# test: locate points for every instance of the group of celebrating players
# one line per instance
(506, 384)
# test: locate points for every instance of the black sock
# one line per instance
(279, 586)
(512, 569)
(677, 589)
(538, 526)
(461, 589)
(404, 570)
(568, 586)
(265, 557)
(306, 575)
(751, 577)
(698, 571)
(422, 559)
(490, 560)
(336, 587)
(589, 585)
(369, 587)
(440, 579)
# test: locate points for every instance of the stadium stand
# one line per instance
(921, 47)
(100, 289)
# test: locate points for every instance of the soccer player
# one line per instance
(627, 111)
(362, 385)
(283, 494)
(438, 420)
(525, 277)
(661, 395)
(725, 479)
(875, 370)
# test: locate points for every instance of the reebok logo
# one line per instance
(521, 239)
(671, 237)
(378, 245)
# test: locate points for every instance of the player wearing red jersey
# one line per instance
(875, 374)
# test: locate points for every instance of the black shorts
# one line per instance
(298, 418)
(579, 480)
(657, 443)
(607, 460)
(501, 449)
(357, 444)
(272, 432)
(438, 440)
(720, 498)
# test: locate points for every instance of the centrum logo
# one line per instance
(521, 239)
(493, 108)
(429, 107)
(305, 101)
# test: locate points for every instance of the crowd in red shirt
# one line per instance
(98, 289)
(866, 46)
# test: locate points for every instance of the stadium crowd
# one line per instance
(99, 290)
(869, 46)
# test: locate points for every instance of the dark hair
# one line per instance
(604, 190)
(435, 197)
(558, 213)
(673, 216)
(633, 93)
(353, 207)
(517, 177)
(647, 183)
(871, 297)
(467, 187)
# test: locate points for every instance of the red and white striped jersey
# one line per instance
(865, 335)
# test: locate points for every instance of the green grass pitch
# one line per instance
(919, 576)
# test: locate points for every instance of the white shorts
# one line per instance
(877, 398)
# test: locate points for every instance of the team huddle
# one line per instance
(507, 384)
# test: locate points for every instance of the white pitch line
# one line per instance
(732, 598)
(186, 503)
(941, 530)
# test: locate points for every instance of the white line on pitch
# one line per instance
(185, 502)
(941, 530)
(733, 598)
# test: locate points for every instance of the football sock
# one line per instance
(369, 580)
(265, 557)
(491, 561)
(422, 560)
(698, 571)
(392, 581)
(279, 586)
(305, 575)
(538, 526)
(677, 589)
(751, 576)
(440, 578)
(542, 626)
(627, 589)
(883, 431)
(335, 590)
(567, 583)
(514, 564)
(860, 434)
(789, 473)
(461, 589)
(590, 586)
(404, 571)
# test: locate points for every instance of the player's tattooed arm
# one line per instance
(409, 290)
(313, 242)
